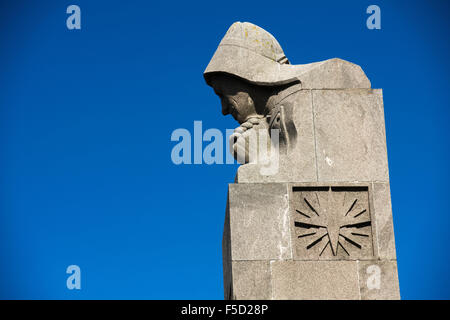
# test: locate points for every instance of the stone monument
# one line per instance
(320, 226)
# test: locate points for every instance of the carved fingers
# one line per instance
(243, 141)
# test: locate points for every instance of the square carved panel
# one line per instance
(331, 222)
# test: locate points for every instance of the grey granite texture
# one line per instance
(315, 280)
(259, 222)
(350, 135)
(383, 220)
(252, 280)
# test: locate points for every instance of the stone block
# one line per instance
(251, 280)
(350, 135)
(315, 280)
(383, 220)
(378, 280)
(259, 221)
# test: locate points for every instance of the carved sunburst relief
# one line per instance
(332, 222)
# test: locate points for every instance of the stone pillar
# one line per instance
(322, 227)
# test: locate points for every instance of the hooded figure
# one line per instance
(254, 80)
(248, 72)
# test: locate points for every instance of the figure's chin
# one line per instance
(237, 118)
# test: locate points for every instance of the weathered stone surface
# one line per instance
(350, 135)
(259, 221)
(315, 280)
(333, 74)
(252, 53)
(251, 280)
(378, 280)
(383, 220)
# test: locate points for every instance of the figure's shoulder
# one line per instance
(331, 74)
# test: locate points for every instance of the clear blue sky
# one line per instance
(86, 117)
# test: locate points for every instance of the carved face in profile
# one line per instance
(254, 107)
(235, 96)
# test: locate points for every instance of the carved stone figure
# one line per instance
(257, 84)
(321, 226)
